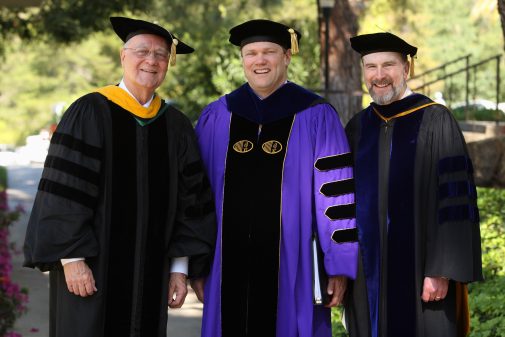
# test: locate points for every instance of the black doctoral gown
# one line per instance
(416, 216)
(127, 195)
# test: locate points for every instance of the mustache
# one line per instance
(385, 81)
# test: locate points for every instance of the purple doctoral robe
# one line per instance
(315, 172)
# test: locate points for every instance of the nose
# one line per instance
(261, 59)
(151, 57)
(381, 73)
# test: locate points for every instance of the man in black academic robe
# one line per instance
(122, 194)
(417, 215)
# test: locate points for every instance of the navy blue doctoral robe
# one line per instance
(416, 216)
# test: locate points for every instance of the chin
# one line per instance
(383, 100)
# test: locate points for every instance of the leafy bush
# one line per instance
(3, 187)
(12, 298)
(487, 299)
(336, 323)
(478, 114)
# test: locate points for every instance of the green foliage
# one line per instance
(444, 31)
(40, 74)
(63, 20)
(338, 329)
(487, 308)
(37, 76)
(476, 114)
(3, 179)
(215, 68)
(487, 299)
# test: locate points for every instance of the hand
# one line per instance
(198, 284)
(336, 289)
(79, 278)
(177, 290)
(434, 288)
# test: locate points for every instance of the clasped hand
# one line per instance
(434, 288)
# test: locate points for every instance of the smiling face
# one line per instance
(265, 66)
(385, 76)
(143, 74)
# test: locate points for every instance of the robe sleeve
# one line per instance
(210, 133)
(352, 131)
(453, 248)
(61, 221)
(195, 222)
(334, 194)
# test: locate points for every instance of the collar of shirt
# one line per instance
(122, 85)
(406, 93)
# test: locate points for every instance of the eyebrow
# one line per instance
(256, 50)
(144, 44)
(387, 62)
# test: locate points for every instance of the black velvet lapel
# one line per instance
(402, 295)
(123, 223)
(366, 173)
(155, 243)
(138, 225)
(251, 226)
(285, 101)
(400, 268)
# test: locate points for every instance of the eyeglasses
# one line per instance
(142, 53)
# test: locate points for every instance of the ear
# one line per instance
(122, 55)
(406, 69)
(288, 57)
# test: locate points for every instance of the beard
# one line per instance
(391, 95)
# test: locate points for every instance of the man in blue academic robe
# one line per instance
(416, 213)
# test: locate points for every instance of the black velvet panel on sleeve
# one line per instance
(61, 223)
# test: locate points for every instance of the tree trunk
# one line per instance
(344, 70)
(501, 10)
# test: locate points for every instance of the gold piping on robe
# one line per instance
(401, 114)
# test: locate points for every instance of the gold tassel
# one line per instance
(294, 41)
(412, 66)
(173, 52)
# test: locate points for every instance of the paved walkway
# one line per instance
(23, 181)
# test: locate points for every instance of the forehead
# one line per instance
(382, 57)
(148, 39)
(260, 46)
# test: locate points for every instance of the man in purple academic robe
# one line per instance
(280, 169)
